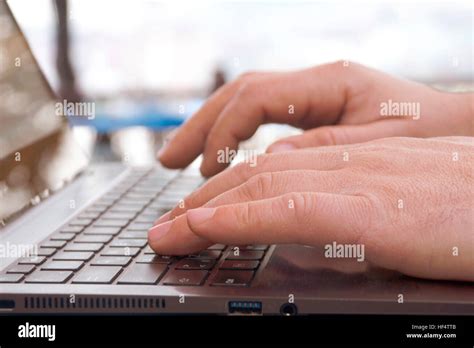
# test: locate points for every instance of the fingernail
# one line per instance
(157, 232)
(281, 147)
(200, 215)
(163, 218)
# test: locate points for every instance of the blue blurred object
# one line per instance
(117, 114)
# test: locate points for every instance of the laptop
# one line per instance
(73, 236)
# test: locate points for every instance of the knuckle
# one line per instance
(327, 136)
(302, 204)
(260, 185)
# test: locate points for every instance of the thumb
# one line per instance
(342, 134)
(310, 218)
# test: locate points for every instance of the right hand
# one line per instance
(335, 103)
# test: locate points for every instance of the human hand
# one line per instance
(408, 201)
(336, 103)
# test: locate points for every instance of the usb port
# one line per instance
(245, 307)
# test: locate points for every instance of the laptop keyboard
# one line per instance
(107, 243)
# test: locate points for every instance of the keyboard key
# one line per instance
(72, 229)
(111, 223)
(233, 278)
(111, 261)
(185, 278)
(152, 258)
(207, 254)
(245, 255)
(139, 226)
(10, 278)
(240, 264)
(133, 235)
(49, 277)
(56, 244)
(148, 250)
(46, 251)
(73, 256)
(125, 208)
(102, 230)
(21, 269)
(205, 264)
(120, 216)
(84, 247)
(127, 251)
(97, 275)
(93, 238)
(80, 222)
(217, 247)
(142, 274)
(150, 219)
(89, 215)
(63, 236)
(33, 260)
(262, 247)
(100, 208)
(62, 265)
(136, 243)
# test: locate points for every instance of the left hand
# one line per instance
(408, 201)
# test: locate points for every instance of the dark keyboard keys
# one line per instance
(84, 247)
(205, 264)
(245, 255)
(10, 278)
(185, 278)
(111, 261)
(21, 269)
(62, 265)
(240, 264)
(97, 275)
(232, 278)
(73, 256)
(207, 254)
(49, 277)
(142, 273)
(217, 247)
(255, 247)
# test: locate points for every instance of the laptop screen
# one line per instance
(37, 151)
